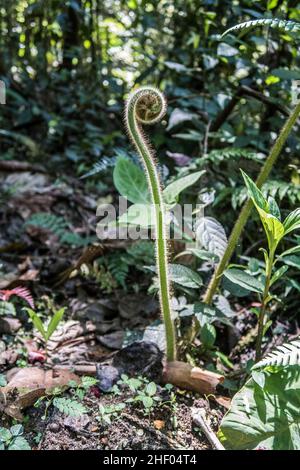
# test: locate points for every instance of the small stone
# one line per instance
(54, 427)
(107, 376)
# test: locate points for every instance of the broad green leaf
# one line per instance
(267, 326)
(273, 227)
(36, 321)
(207, 314)
(278, 274)
(182, 275)
(5, 434)
(172, 191)
(202, 254)
(151, 389)
(290, 251)
(255, 193)
(268, 211)
(272, 4)
(293, 261)
(131, 182)
(142, 215)
(243, 279)
(147, 401)
(292, 222)
(54, 322)
(17, 430)
(233, 288)
(273, 208)
(267, 417)
(19, 443)
(208, 335)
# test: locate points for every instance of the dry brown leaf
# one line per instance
(29, 384)
(185, 376)
(29, 275)
(223, 401)
(159, 424)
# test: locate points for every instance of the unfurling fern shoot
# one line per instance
(147, 105)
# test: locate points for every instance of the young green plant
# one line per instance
(147, 105)
(287, 26)
(275, 231)
(46, 331)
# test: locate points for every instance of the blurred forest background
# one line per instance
(68, 66)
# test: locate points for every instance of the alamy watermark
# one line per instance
(295, 91)
(138, 221)
(2, 92)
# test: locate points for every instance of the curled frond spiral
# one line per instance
(147, 105)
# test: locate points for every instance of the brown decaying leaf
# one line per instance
(159, 424)
(185, 376)
(29, 384)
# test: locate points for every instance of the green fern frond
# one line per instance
(283, 25)
(118, 268)
(278, 189)
(100, 166)
(55, 224)
(282, 189)
(69, 407)
(59, 227)
(230, 153)
(141, 253)
(287, 354)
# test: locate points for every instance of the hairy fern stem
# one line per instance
(147, 105)
(244, 215)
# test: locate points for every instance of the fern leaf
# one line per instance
(100, 166)
(231, 153)
(287, 354)
(277, 23)
(118, 268)
(21, 292)
(69, 407)
(47, 221)
(59, 227)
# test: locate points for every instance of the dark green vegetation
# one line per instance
(68, 68)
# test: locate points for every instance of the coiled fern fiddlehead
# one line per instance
(147, 105)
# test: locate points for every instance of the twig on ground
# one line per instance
(199, 418)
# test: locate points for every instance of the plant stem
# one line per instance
(243, 217)
(262, 313)
(146, 106)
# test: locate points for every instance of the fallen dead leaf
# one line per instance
(29, 384)
(159, 424)
(223, 401)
